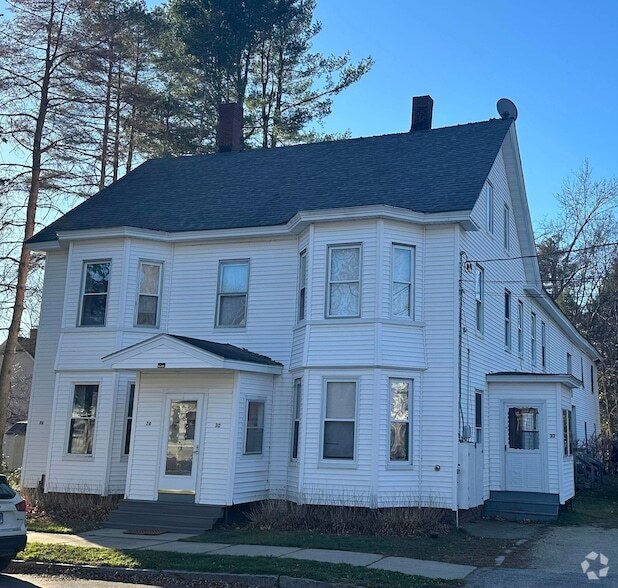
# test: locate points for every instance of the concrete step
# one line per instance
(521, 515)
(521, 506)
(528, 497)
(181, 509)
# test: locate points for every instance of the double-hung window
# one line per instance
(566, 432)
(478, 417)
(533, 338)
(83, 418)
(543, 344)
(507, 320)
(344, 281)
(129, 424)
(402, 287)
(298, 385)
(302, 285)
(339, 426)
(232, 293)
(254, 434)
(95, 286)
(480, 299)
(520, 327)
(401, 402)
(489, 207)
(507, 227)
(149, 294)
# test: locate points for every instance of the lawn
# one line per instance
(597, 507)
(453, 547)
(51, 525)
(159, 560)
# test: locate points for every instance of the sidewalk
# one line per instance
(117, 539)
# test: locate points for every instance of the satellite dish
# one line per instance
(506, 109)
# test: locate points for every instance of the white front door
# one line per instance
(524, 451)
(179, 463)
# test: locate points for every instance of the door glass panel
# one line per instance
(523, 428)
(181, 438)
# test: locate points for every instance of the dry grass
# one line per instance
(282, 515)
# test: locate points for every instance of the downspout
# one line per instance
(462, 257)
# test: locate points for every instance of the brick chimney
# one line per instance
(229, 127)
(422, 110)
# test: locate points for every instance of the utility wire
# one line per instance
(561, 252)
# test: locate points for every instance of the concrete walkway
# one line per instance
(118, 539)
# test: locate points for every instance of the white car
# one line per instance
(12, 523)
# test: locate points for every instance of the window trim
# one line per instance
(489, 207)
(533, 354)
(80, 304)
(297, 391)
(592, 378)
(223, 262)
(543, 344)
(412, 297)
(67, 453)
(138, 294)
(520, 327)
(409, 461)
(567, 440)
(125, 429)
(302, 287)
(358, 246)
(330, 461)
(508, 320)
(507, 228)
(479, 307)
(258, 400)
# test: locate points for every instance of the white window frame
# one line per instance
(82, 292)
(329, 282)
(507, 227)
(139, 294)
(220, 295)
(543, 344)
(303, 271)
(339, 461)
(410, 284)
(69, 454)
(250, 401)
(296, 418)
(479, 296)
(410, 382)
(508, 320)
(478, 426)
(533, 357)
(128, 430)
(489, 207)
(520, 327)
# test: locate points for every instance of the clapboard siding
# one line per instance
(117, 457)
(43, 379)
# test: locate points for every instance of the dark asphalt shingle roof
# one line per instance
(227, 351)
(439, 170)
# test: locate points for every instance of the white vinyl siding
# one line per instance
(506, 227)
(95, 287)
(344, 281)
(400, 411)
(232, 293)
(489, 207)
(402, 286)
(149, 294)
(339, 423)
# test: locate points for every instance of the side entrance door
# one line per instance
(180, 450)
(524, 448)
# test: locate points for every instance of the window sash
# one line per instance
(507, 319)
(254, 431)
(302, 285)
(402, 286)
(227, 315)
(296, 417)
(148, 317)
(533, 338)
(543, 344)
(480, 299)
(129, 418)
(93, 297)
(335, 285)
(520, 327)
(400, 438)
(83, 419)
(566, 432)
(342, 449)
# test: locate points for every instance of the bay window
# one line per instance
(95, 285)
(344, 281)
(149, 293)
(400, 420)
(339, 424)
(402, 287)
(83, 419)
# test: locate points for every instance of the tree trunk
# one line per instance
(106, 117)
(116, 157)
(24, 259)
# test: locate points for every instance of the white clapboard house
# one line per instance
(349, 322)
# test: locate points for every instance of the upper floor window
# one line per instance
(520, 327)
(298, 385)
(339, 426)
(533, 337)
(480, 299)
(402, 293)
(232, 293)
(149, 294)
(302, 285)
(569, 364)
(581, 371)
(83, 419)
(489, 207)
(591, 378)
(129, 424)
(543, 344)
(344, 281)
(95, 286)
(507, 319)
(506, 227)
(401, 402)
